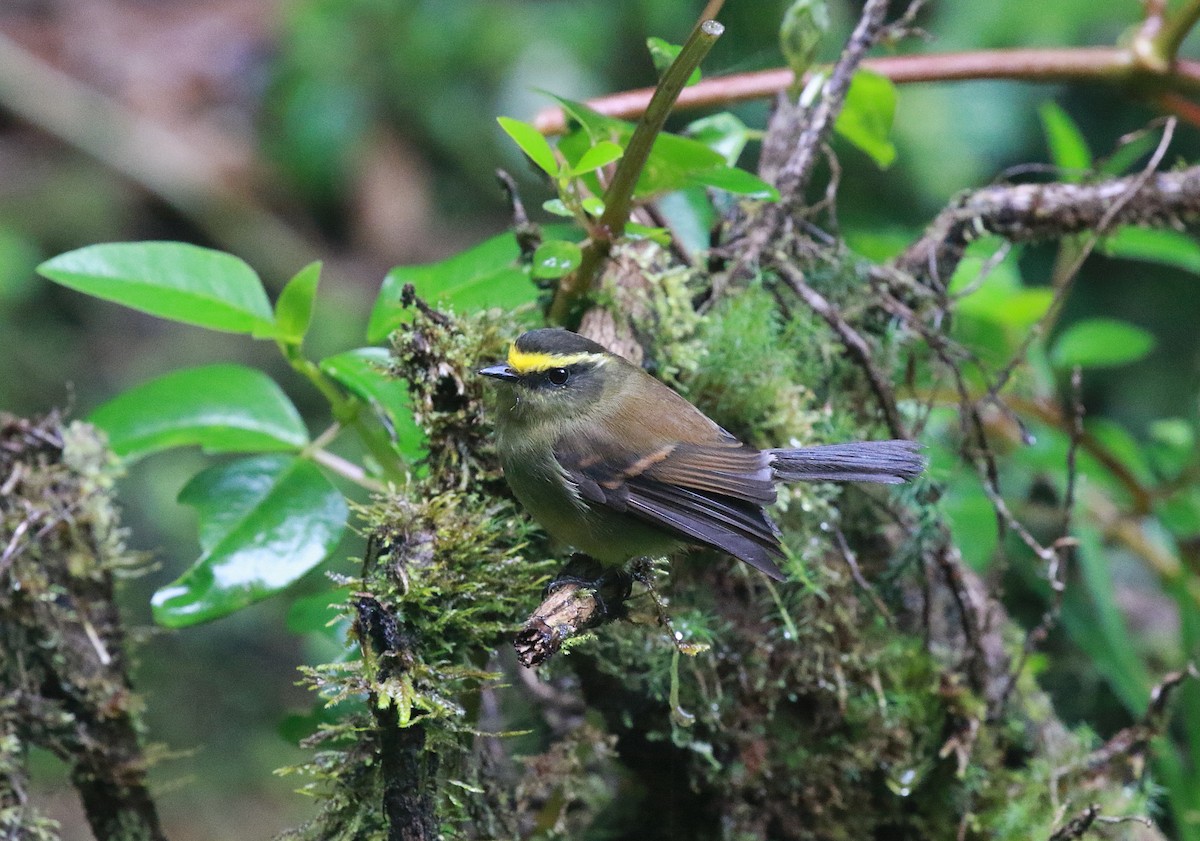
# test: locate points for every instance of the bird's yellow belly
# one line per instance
(611, 537)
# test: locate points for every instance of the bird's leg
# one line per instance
(583, 596)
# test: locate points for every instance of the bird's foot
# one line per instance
(611, 586)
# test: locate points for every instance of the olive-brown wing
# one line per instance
(711, 494)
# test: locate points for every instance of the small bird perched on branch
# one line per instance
(613, 462)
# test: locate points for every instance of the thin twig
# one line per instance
(1063, 548)
(854, 343)
(1108, 65)
(856, 573)
(793, 175)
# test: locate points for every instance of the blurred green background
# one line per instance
(362, 133)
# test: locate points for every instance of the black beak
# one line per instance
(500, 372)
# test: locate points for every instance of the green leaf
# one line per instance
(800, 34)
(264, 522)
(597, 126)
(556, 207)
(1120, 443)
(293, 310)
(724, 133)
(1093, 619)
(1068, 148)
(532, 143)
(867, 115)
(1172, 445)
(675, 162)
(1181, 513)
(1101, 343)
(602, 154)
(660, 235)
(737, 181)
(555, 258)
(364, 372)
(691, 216)
(1129, 153)
(479, 278)
(663, 54)
(593, 206)
(172, 280)
(222, 408)
(1154, 245)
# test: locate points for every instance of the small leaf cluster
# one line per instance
(275, 512)
(704, 159)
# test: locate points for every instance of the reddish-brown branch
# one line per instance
(1083, 64)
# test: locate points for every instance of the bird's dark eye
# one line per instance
(558, 376)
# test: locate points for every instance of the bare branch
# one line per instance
(1030, 212)
(1109, 65)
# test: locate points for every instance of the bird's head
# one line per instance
(552, 375)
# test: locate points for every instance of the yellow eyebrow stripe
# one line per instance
(524, 362)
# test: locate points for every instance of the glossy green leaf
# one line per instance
(1101, 343)
(264, 522)
(867, 115)
(555, 258)
(485, 276)
(663, 54)
(363, 371)
(600, 155)
(1115, 438)
(532, 143)
(1001, 296)
(1154, 245)
(222, 408)
(1068, 148)
(293, 310)
(172, 280)
(724, 133)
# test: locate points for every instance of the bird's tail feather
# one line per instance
(890, 462)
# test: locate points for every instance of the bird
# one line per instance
(613, 462)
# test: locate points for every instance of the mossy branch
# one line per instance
(64, 675)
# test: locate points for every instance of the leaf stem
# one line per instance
(346, 469)
(347, 412)
(618, 197)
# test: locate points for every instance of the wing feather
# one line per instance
(710, 493)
